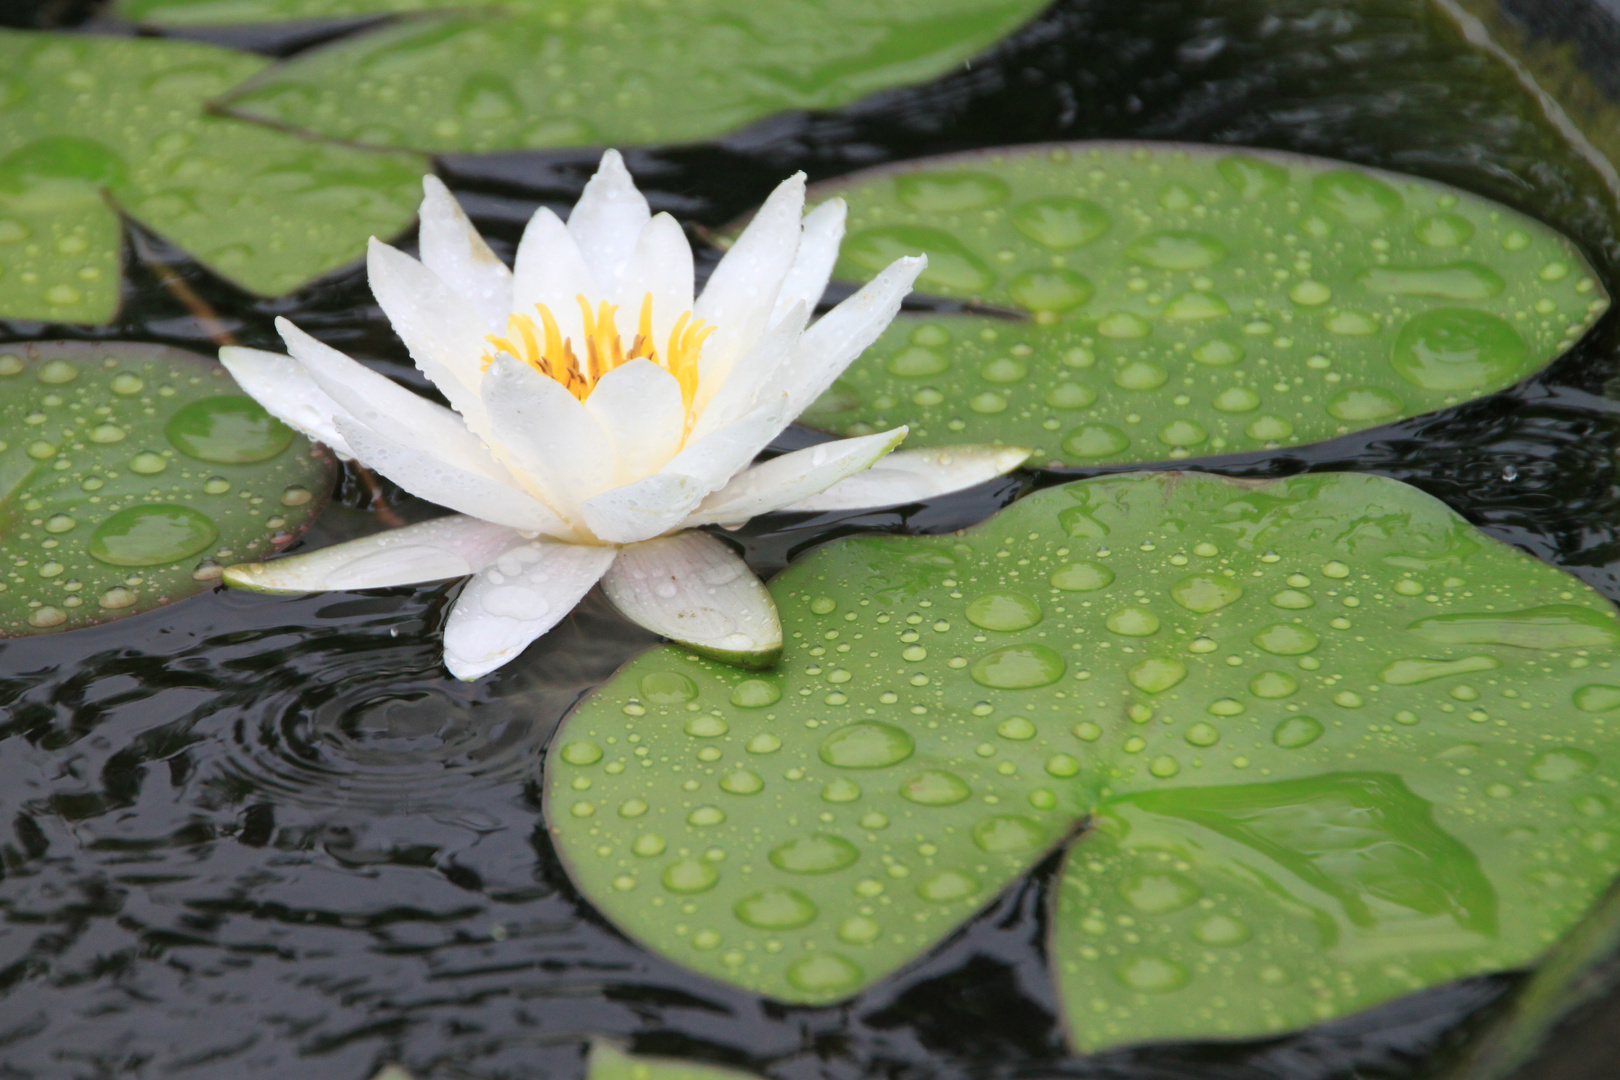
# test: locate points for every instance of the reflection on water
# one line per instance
(256, 836)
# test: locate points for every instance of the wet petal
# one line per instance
(608, 219)
(452, 249)
(386, 407)
(662, 267)
(692, 588)
(790, 478)
(508, 604)
(741, 293)
(644, 509)
(445, 337)
(834, 341)
(639, 407)
(446, 547)
(742, 386)
(436, 480)
(818, 251)
(287, 392)
(715, 458)
(552, 271)
(547, 435)
(907, 476)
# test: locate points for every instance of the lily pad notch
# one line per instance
(130, 474)
(1191, 300)
(1334, 745)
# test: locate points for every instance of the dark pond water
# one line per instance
(250, 836)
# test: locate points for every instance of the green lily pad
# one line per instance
(547, 73)
(130, 475)
(608, 1062)
(1193, 300)
(91, 118)
(1330, 745)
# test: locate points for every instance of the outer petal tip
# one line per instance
(696, 591)
(913, 475)
(522, 595)
(250, 577)
(1010, 457)
(756, 660)
(466, 670)
(287, 329)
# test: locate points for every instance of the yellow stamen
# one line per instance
(555, 345)
(525, 329)
(603, 348)
(591, 367)
(643, 346)
(501, 345)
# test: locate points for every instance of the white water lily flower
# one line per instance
(599, 413)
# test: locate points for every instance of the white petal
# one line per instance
(547, 435)
(717, 457)
(452, 249)
(694, 589)
(639, 407)
(790, 478)
(818, 251)
(607, 220)
(661, 267)
(757, 367)
(432, 478)
(662, 501)
(388, 408)
(287, 392)
(644, 509)
(446, 547)
(907, 476)
(444, 336)
(741, 293)
(526, 592)
(834, 341)
(551, 271)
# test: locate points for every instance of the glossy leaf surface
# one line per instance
(97, 125)
(130, 475)
(1331, 744)
(547, 73)
(1187, 301)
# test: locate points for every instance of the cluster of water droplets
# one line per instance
(132, 475)
(951, 708)
(862, 794)
(1188, 304)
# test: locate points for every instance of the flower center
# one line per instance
(548, 352)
